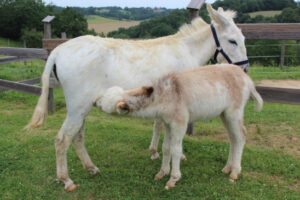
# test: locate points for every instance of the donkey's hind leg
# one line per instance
(63, 140)
(78, 142)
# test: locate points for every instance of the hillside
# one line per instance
(105, 25)
(124, 13)
(270, 13)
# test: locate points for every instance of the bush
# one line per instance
(32, 38)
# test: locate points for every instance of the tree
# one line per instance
(16, 15)
(71, 22)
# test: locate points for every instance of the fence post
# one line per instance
(193, 7)
(282, 53)
(63, 35)
(47, 35)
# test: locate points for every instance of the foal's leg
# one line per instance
(69, 129)
(78, 143)
(158, 125)
(177, 133)
(165, 167)
(236, 131)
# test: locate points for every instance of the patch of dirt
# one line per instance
(263, 136)
(281, 83)
(280, 181)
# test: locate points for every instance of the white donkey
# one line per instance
(179, 98)
(86, 66)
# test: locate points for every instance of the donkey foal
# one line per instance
(179, 98)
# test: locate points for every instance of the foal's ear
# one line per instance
(148, 90)
(123, 108)
(216, 16)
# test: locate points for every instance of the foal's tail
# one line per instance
(41, 110)
(256, 97)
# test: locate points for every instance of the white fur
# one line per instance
(110, 98)
(88, 65)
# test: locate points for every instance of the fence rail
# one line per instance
(272, 31)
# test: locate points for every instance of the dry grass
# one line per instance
(281, 83)
(270, 13)
(106, 27)
(277, 181)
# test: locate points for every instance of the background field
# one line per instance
(105, 25)
(4, 42)
(118, 146)
(270, 13)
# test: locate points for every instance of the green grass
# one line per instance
(118, 146)
(275, 73)
(17, 71)
(95, 19)
(11, 43)
(270, 13)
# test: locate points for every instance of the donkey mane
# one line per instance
(193, 28)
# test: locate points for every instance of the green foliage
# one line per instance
(16, 15)
(71, 22)
(254, 5)
(32, 38)
(19, 17)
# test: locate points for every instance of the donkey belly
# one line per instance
(207, 108)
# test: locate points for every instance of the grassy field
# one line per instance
(95, 19)
(118, 146)
(4, 42)
(270, 13)
(105, 25)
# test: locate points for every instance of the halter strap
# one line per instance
(220, 49)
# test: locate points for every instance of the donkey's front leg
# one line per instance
(177, 134)
(158, 125)
(165, 167)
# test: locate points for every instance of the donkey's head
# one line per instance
(228, 37)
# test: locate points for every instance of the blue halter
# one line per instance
(220, 50)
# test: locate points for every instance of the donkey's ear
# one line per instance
(216, 16)
(148, 90)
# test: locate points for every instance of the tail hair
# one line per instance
(257, 98)
(41, 110)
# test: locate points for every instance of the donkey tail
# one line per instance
(41, 110)
(256, 97)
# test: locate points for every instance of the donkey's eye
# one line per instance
(233, 42)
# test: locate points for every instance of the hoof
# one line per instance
(153, 150)
(155, 156)
(93, 170)
(159, 176)
(183, 158)
(226, 170)
(170, 184)
(71, 188)
(233, 178)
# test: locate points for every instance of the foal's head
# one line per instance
(116, 100)
(230, 37)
